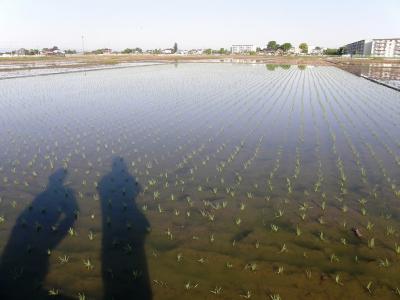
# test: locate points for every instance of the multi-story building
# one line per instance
(375, 47)
(356, 48)
(242, 48)
(385, 47)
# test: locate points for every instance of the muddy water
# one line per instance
(199, 181)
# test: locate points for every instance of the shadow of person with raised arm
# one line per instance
(38, 230)
(124, 265)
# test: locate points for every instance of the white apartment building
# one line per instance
(375, 47)
(242, 48)
(384, 47)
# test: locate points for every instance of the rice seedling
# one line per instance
(397, 248)
(189, 285)
(275, 297)
(72, 232)
(390, 230)
(279, 270)
(136, 274)
(91, 236)
(337, 280)
(384, 263)
(212, 238)
(88, 264)
(81, 296)
(53, 292)
(371, 243)
(246, 295)
(63, 259)
(298, 230)
(251, 267)
(370, 226)
(217, 290)
(368, 287)
(334, 258)
(283, 249)
(274, 228)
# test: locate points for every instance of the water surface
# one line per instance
(200, 181)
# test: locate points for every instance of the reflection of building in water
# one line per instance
(375, 47)
(242, 48)
(385, 74)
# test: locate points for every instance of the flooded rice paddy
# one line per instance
(199, 181)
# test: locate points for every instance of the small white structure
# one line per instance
(242, 49)
(315, 50)
(196, 51)
(182, 52)
(295, 50)
(167, 51)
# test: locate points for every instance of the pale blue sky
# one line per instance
(193, 24)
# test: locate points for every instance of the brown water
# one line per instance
(199, 181)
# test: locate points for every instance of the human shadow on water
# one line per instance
(38, 230)
(124, 265)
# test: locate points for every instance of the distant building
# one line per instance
(167, 51)
(182, 52)
(196, 51)
(272, 52)
(385, 47)
(316, 51)
(356, 48)
(375, 47)
(107, 51)
(242, 48)
(52, 52)
(21, 52)
(295, 51)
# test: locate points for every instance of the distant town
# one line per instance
(382, 47)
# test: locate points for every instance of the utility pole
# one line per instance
(83, 45)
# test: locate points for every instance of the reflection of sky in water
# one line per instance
(217, 175)
(35, 69)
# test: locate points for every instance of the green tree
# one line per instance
(70, 51)
(303, 47)
(208, 51)
(286, 47)
(127, 51)
(331, 51)
(340, 51)
(272, 45)
(175, 48)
